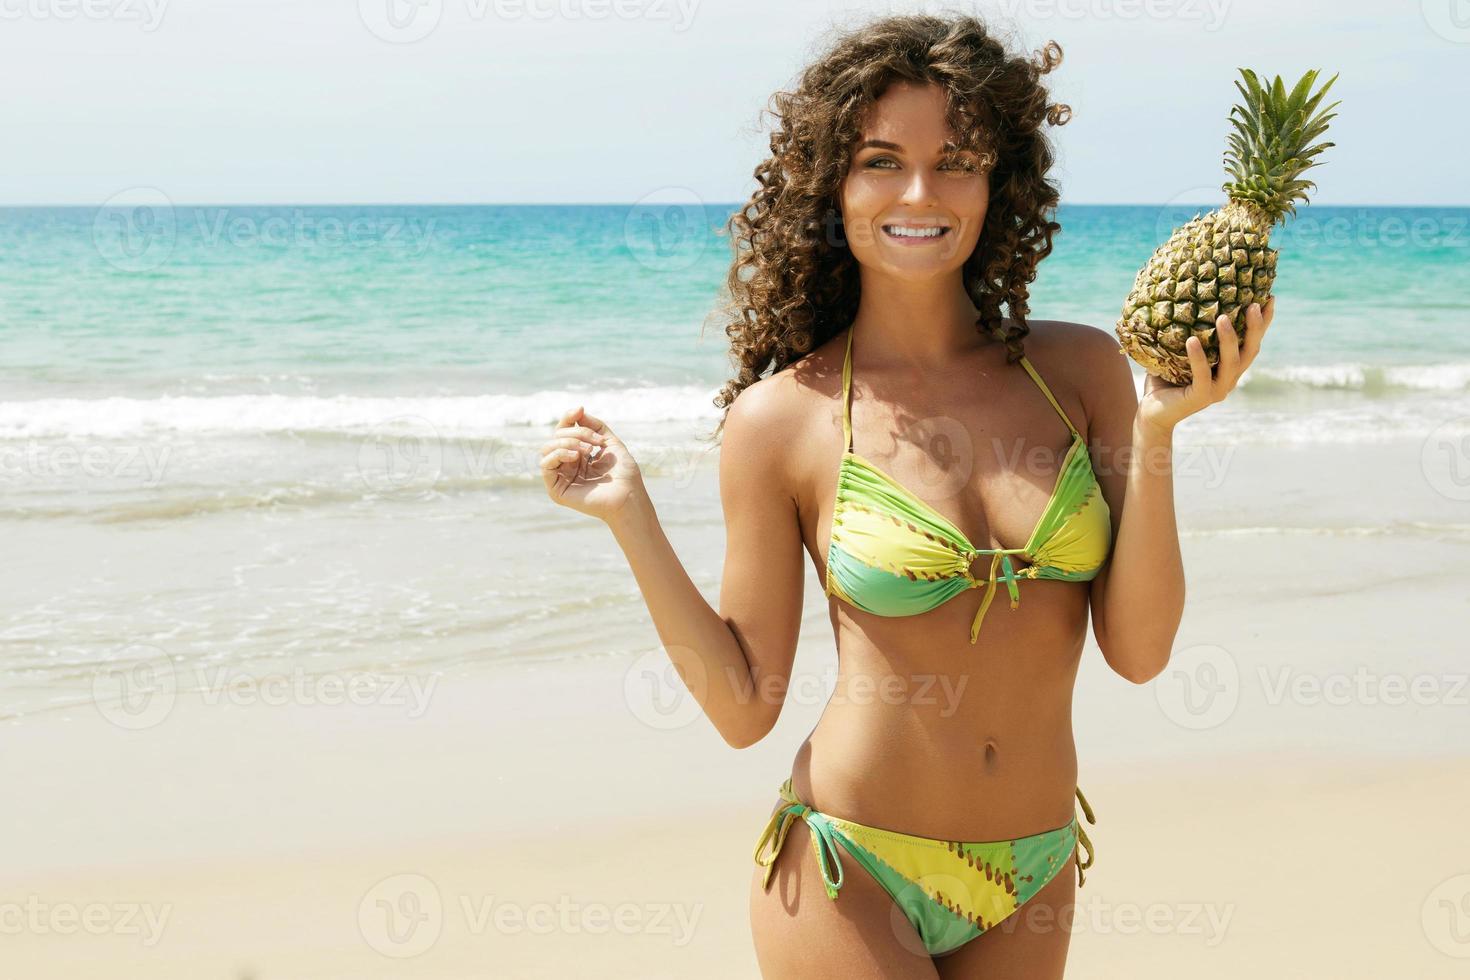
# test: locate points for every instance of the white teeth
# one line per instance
(902, 232)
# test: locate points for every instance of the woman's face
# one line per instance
(911, 206)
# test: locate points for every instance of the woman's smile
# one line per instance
(910, 233)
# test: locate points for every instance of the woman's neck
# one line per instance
(921, 324)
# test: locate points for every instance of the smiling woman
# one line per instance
(918, 141)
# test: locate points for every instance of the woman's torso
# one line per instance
(926, 733)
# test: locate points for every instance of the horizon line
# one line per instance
(626, 204)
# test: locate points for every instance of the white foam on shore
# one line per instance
(450, 416)
(1294, 404)
(1367, 378)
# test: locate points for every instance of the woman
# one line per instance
(918, 445)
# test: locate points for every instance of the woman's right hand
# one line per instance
(586, 467)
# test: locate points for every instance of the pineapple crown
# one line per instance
(1270, 148)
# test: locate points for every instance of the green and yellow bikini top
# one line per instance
(891, 554)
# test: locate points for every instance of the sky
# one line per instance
(537, 101)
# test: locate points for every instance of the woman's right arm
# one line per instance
(736, 662)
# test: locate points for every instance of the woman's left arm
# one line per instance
(1138, 595)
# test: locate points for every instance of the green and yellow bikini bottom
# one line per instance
(952, 891)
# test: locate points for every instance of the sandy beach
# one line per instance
(1204, 870)
(1206, 867)
(1290, 792)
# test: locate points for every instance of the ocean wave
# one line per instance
(180, 505)
(189, 501)
(464, 416)
(1366, 378)
(1392, 401)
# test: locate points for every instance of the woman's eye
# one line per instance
(955, 163)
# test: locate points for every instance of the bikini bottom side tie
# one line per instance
(824, 840)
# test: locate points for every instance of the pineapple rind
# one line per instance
(1218, 263)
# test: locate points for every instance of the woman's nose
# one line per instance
(919, 188)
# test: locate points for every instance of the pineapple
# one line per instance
(1222, 262)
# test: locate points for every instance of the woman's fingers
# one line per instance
(1209, 385)
(578, 444)
(581, 432)
(1255, 329)
(569, 442)
(1199, 366)
(596, 424)
(554, 459)
(1229, 354)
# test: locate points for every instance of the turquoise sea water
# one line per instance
(224, 337)
(158, 299)
(308, 435)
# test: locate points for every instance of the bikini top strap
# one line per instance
(1049, 396)
(847, 394)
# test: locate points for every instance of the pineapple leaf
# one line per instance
(1288, 126)
(1274, 138)
(1299, 92)
(1311, 104)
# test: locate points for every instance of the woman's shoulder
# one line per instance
(1082, 364)
(1074, 352)
(814, 377)
(781, 404)
(1065, 340)
(780, 421)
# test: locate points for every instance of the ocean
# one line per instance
(159, 318)
(306, 434)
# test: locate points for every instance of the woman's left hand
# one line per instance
(1164, 404)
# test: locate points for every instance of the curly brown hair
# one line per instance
(791, 287)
